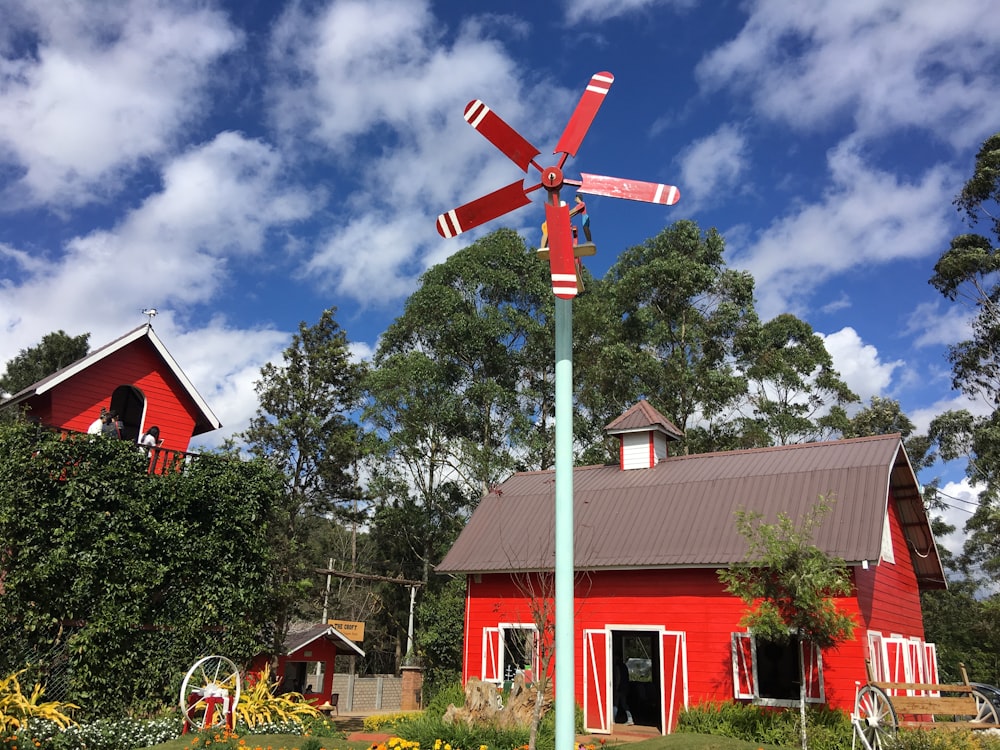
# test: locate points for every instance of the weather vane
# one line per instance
(563, 255)
(150, 312)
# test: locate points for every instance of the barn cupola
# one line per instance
(643, 434)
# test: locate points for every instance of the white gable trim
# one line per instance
(145, 331)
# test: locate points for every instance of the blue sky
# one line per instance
(240, 166)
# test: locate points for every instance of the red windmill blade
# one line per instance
(562, 258)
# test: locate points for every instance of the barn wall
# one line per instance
(888, 592)
(76, 403)
(692, 601)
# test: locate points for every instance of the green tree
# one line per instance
(304, 426)
(459, 396)
(789, 586)
(661, 325)
(795, 395)
(54, 352)
(967, 272)
(120, 579)
(963, 628)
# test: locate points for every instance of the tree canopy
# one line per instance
(55, 351)
(967, 273)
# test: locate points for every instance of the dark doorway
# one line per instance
(639, 652)
(130, 404)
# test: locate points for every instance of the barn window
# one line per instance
(508, 648)
(768, 672)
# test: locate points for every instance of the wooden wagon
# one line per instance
(881, 708)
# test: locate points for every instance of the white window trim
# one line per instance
(816, 662)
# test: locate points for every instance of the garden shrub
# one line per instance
(827, 729)
(427, 730)
(937, 739)
(452, 693)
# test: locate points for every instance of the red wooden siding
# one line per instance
(75, 404)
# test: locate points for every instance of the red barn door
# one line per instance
(597, 681)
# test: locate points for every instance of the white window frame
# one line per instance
(815, 662)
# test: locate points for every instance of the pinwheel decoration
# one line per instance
(562, 257)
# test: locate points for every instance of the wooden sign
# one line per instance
(354, 631)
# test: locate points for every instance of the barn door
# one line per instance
(491, 655)
(673, 668)
(597, 681)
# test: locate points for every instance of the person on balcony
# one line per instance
(151, 438)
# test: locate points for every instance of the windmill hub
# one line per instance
(552, 178)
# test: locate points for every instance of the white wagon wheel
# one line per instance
(986, 711)
(210, 692)
(875, 719)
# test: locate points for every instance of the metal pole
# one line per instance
(409, 628)
(565, 700)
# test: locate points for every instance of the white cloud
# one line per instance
(354, 69)
(97, 98)
(713, 164)
(218, 203)
(931, 326)
(859, 364)
(962, 499)
(865, 218)
(888, 63)
(597, 11)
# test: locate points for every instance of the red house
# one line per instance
(133, 375)
(650, 535)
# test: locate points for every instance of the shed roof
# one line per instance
(679, 513)
(301, 635)
(205, 421)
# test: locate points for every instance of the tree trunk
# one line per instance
(802, 693)
(536, 715)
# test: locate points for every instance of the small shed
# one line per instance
(306, 664)
(650, 535)
(133, 375)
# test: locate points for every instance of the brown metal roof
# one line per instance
(680, 513)
(643, 416)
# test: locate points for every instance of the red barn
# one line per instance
(133, 375)
(651, 534)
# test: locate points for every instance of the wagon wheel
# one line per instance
(875, 719)
(986, 712)
(210, 692)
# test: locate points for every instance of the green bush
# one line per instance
(453, 693)
(929, 739)
(426, 729)
(104, 734)
(827, 729)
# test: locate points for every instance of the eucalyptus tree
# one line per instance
(661, 325)
(795, 393)
(459, 390)
(967, 273)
